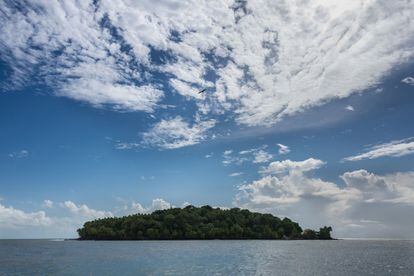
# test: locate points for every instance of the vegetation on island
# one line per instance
(198, 223)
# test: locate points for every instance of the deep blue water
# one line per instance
(342, 257)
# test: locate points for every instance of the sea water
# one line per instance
(250, 257)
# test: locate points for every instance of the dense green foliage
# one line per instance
(195, 223)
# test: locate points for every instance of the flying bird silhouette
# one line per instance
(201, 91)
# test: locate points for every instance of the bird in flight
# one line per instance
(201, 91)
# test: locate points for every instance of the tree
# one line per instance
(197, 223)
(325, 233)
(309, 234)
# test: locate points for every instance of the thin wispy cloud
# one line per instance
(176, 133)
(262, 156)
(255, 155)
(392, 149)
(408, 80)
(283, 149)
(349, 108)
(19, 154)
(233, 158)
(264, 55)
(236, 174)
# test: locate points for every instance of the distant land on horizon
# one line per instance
(198, 223)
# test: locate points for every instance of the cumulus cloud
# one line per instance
(283, 149)
(84, 211)
(286, 166)
(176, 133)
(393, 188)
(137, 208)
(270, 59)
(368, 205)
(395, 148)
(67, 217)
(408, 80)
(160, 204)
(48, 203)
(15, 218)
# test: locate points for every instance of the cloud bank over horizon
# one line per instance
(366, 205)
(70, 217)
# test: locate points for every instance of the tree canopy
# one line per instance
(197, 223)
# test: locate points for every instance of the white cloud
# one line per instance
(408, 80)
(137, 208)
(209, 155)
(185, 204)
(67, 217)
(19, 154)
(84, 211)
(160, 204)
(119, 97)
(349, 108)
(126, 145)
(227, 152)
(176, 133)
(286, 166)
(15, 218)
(281, 58)
(235, 174)
(306, 54)
(262, 156)
(66, 46)
(229, 158)
(283, 149)
(185, 89)
(368, 205)
(48, 203)
(16, 223)
(255, 155)
(394, 188)
(395, 148)
(243, 152)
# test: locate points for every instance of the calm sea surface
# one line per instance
(342, 257)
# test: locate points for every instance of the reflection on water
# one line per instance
(343, 257)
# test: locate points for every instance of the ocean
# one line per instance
(216, 257)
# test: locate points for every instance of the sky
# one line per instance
(307, 113)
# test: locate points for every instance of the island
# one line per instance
(198, 223)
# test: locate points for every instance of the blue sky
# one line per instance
(307, 113)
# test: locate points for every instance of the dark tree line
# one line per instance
(197, 223)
